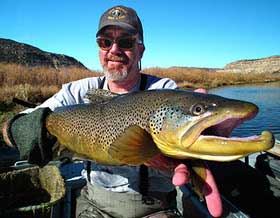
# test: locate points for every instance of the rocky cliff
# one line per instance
(20, 53)
(262, 65)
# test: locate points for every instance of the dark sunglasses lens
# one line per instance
(126, 43)
(104, 43)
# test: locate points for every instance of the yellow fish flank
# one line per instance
(132, 128)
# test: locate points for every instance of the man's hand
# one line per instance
(28, 134)
(170, 167)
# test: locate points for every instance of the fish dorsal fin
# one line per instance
(134, 147)
(99, 96)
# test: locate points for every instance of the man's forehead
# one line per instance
(115, 30)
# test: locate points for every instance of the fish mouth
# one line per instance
(209, 138)
(224, 148)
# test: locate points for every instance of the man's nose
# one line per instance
(115, 48)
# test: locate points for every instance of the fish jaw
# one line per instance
(217, 148)
(190, 141)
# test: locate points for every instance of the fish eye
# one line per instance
(197, 109)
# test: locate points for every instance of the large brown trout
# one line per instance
(132, 128)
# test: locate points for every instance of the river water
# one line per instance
(266, 97)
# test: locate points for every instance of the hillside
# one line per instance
(262, 65)
(270, 65)
(13, 52)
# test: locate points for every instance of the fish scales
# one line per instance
(97, 126)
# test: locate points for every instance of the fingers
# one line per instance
(201, 90)
(212, 195)
(210, 190)
(163, 164)
(181, 175)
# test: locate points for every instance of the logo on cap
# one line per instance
(117, 13)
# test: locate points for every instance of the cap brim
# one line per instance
(125, 26)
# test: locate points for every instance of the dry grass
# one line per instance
(205, 78)
(35, 83)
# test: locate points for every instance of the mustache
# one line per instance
(111, 57)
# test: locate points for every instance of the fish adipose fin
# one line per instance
(99, 96)
(134, 147)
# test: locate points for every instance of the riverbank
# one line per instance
(35, 84)
(191, 78)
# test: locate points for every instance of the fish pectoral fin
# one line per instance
(198, 177)
(134, 147)
(99, 96)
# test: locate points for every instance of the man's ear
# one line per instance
(141, 50)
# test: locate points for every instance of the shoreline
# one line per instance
(237, 83)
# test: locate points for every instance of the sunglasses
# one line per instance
(125, 43)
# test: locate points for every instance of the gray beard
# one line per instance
(115, 75)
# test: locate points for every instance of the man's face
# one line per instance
(120, 63)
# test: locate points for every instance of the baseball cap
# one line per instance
(123, 17)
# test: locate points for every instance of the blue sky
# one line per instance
(197, 33)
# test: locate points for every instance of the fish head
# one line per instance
(197, 125)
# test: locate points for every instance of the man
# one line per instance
(111, 191)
